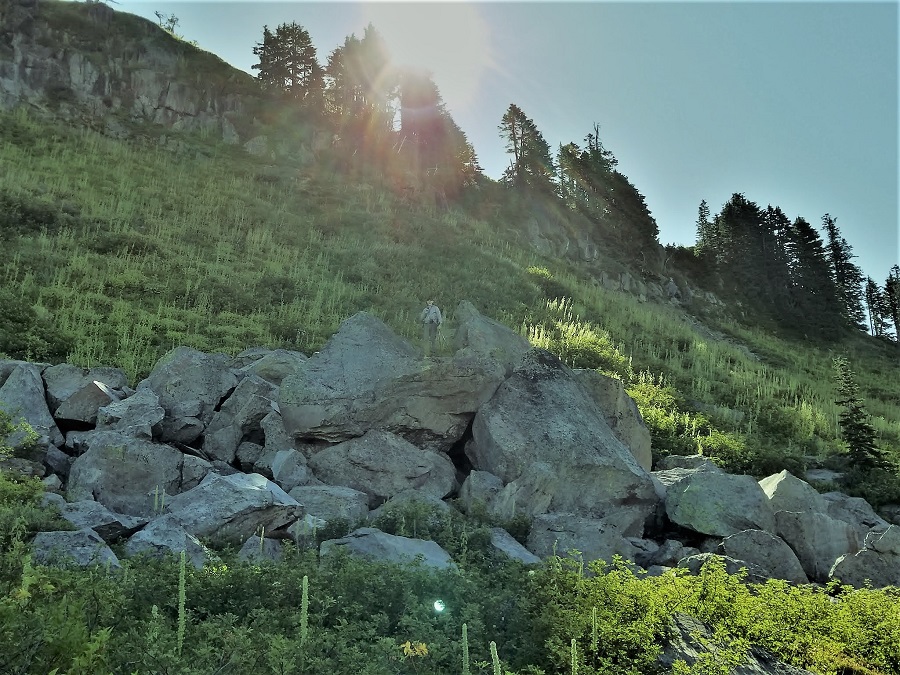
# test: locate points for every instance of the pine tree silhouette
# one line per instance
(856, 429)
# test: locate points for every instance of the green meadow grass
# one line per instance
(130, 249)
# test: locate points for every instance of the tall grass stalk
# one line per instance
(182, 597)
(494, 658)
(465, 650)
(304, 611)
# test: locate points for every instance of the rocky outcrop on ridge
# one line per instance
(276, 444)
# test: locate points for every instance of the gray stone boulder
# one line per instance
(479, 490)
(82, 406)
(366, 377)
(487, 337)
(164, 537)
(691, 642)
(239, 418)
(22, 397)
(412, 504)
(331, 502)
(382, 465)
(94, 516)
(817, 539)
(260, 550)
(542, 415)
(272, 365)
(621, 413)
(877, 564)
(854, 511)
(373, 544)
(715, 503)
(83, 548)
(64, 380)
(234, 507)
(504, 542)
(694, 564)
(290, 470)
(689, 462)
(786, 492)
(769, 553)
(670, 552)
(140, 415)
(124, 473)
(190, 384)
(559, 533)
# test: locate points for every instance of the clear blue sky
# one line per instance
(793, 104)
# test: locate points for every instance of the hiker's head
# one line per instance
(430, 302)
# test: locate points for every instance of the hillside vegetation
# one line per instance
(113, 251)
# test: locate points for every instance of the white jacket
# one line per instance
(432, 315)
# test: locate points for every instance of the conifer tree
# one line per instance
(847, 276)
(876, 307)
(531, 164)
(288, 65)
(892, 299)
(856, 428)
(813, 298)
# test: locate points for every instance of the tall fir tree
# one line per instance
(815, 308)
(288, 65)
(848, 277)
(892, 299)
(857, 431)
(876, 308)
(531, 164)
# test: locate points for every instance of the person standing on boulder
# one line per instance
(431, 318)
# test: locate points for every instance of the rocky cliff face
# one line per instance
(84, 60)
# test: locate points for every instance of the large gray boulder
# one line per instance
(479, 490)
(140, 415)
(487, 337)
(770, 553)
(239, 418)
(542, 415)
(694, 564)
(234, 507)
(715, 503)
(290, 469)
(94, 516)
(65, 380)
(366, 377)
(22, 397)
(786, 492)
(381, 465)
(84, 548)
(621, 413)
(190, 384)
(504, 543)
(124, 473)
(272, 365)
(559, 533)
(330, 502)
(854, 511)
(817, 539)
(373, 544)
(164, 537)
(878, 563)
(82, 406)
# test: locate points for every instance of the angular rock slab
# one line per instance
(260, 550)
(96, 517)
(271, 365)
(381, 465)
(375, 545)
(621, 413)
(123, 472)
(559, 533)
(694, 564)
(330, 502)
(140, 415)
(768, 552)
(84, 548)
(714, 503)
(786, 492)
(878, 563)
(65, 380)
(164, 537)
(487, 337)
(239, 417)
(543, 415)
(506, 544)
(366, 377)
(190, 384)
(855, 511)
(234, 507)
(82, 406)
(817, 539)
(22, 397)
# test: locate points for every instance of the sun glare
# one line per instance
(448, 38)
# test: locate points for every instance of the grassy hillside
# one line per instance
(115, 252)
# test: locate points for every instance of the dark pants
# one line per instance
(430, 334)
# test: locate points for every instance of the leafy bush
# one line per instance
(26, 333)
